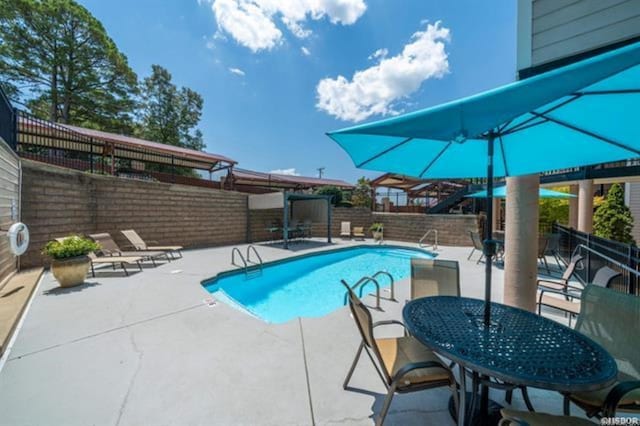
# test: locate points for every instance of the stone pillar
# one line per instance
(521, 241)
(585, 206)
(497, 205)
(573, 207)
(386, 204)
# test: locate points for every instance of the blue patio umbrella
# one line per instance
(581, 114)
(501, 192)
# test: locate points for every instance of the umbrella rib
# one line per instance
(610, 92)
(524, 124)
(504, 158)
(380, 154)
(435, 159)
(589, 133)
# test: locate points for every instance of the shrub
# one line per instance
(72, 246)
(334, 191)
(376, 227)
(361, 195)
(613, 219)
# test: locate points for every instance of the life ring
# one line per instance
(18, 238)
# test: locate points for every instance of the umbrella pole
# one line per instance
(489, 245)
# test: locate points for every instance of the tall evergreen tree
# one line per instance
(613, 219)
(169, 114)
(58, 59)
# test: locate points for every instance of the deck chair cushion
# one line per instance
(398, 352)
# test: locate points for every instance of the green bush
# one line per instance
(334, 191)
(72, 246)
(613, 219)
(554, 210)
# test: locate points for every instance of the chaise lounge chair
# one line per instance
(110, 248)
(345, 229)
(358, 232)
(111, 260)
(139, 244)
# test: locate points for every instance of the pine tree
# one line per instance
(57, 58)
(613, 219)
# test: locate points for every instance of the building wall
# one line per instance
(59, 202)
(562, 28)
(9, 206)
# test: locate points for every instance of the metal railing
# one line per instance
(7, 121)
(362, 282)
(599, 252)
(424, 237)
(247, 264)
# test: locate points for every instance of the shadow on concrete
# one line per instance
(57, 291)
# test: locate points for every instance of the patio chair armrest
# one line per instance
(389, 322)
(560, 292)
(615, 396)
(129, 246)
(558, 282)
(415, 366)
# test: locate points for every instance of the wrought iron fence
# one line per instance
(599, 252)
(52, 143)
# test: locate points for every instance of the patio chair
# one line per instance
(111, 260)
(345, 229)
(553, 248)
(562, 283)
(403, 363)
(571, 295)
(526, 418)
(434, 277)
(612, 319)
(476, 242)
(358, 232)
(306, 228)
(543, 243)
(139, 244)
(109, 248)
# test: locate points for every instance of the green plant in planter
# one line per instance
(376, 227)
(72, 246)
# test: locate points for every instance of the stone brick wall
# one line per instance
(453, 230)
(58, 202)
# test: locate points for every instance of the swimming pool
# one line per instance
(309, 286)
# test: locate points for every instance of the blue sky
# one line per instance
(269, 70)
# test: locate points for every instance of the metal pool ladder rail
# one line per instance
(367, 279)
(248, 265)
(421, 243)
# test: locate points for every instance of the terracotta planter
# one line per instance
(71, 272)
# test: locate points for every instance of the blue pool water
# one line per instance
(310, 286)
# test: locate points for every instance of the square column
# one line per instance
(585, 206)
(573, 207)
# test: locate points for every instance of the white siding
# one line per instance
(9, 205)
(562, 28)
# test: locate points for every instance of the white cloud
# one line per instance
(375, 90)
(252, 23)
(380, 53)
(237, 71)
(305, 51)
(288, 172)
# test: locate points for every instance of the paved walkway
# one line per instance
(150, 349)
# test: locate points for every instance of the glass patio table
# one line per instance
(518, 348)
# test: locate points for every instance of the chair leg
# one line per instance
(546, 265)
(473, 250)
(140, 265)
(353, 366)
(124, 268)
(480, 258)
(387, 403)
(93, 271)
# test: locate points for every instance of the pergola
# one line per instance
(298, 206)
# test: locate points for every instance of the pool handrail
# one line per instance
(391, 281)
(251, 248)
(424, 237)
(233, 258)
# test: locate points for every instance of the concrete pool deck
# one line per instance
(152, 349)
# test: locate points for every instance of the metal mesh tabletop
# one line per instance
(519, 347)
